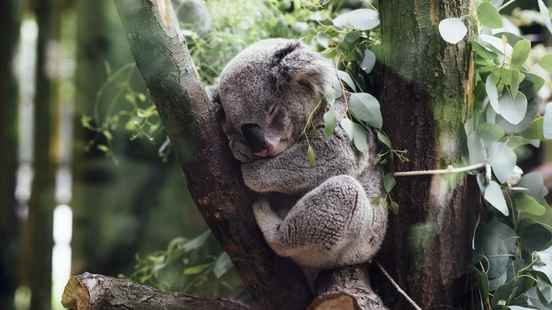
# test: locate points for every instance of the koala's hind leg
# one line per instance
(318, 229)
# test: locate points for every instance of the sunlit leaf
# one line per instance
(366, 107)
(488, 15)
(520, 53)
(503, 160)
(361, 19)
(495, 197)
(329, 122)
(513, 108)
(369, 61)
(452, 30)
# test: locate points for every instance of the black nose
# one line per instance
(254, 137)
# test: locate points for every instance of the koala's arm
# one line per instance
(291, 173)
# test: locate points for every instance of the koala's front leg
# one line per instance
(333, 225)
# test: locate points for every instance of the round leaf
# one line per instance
(513, 108)
(360, 138)
(348, 127)
(329, 122)
(488, 15)
(503, 160)
(366, 107)
(452, 30)
(361, 19)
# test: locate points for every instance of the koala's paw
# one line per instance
(263, 213)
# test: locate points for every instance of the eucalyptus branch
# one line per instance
(398, 288)
(448, 170)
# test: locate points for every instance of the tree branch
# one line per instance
(214, 177)
(96, 292)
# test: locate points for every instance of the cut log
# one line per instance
(96, 292)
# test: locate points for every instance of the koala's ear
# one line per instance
(295, 64)
(215, 105)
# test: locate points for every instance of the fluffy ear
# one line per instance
(295, 64)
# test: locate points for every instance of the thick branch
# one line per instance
(345, 288)
(214, 177)
(95, 292)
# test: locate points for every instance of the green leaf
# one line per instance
(345, 77)
(495, 197)
(361, 19)
(527, 204)
(311, 156)
(103, 148)
(535, 130)
(490, 132)
(534, 182)
(389, 182)
(383, 138)
(452, 30)
(222, 265)
(360, 138)
(536, 81)
(348, 127)
(520, 53)
(196, 269)
(329, 122)
(197, 242)
(492, 92)
(544, 263)
(369, 61)
(503, 160)
(366, 107)
(476, 149)
(546, 62)
(496, 44)
(547, 123)
(489, 16)
(513, 108)
(497, 242)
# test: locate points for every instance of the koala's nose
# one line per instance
(254, 136)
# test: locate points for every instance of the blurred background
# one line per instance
(88, 181)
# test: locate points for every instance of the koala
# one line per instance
(330, 215)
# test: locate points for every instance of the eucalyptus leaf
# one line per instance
(348, 127)
(496, 44)
(361, 19)
(535, 129)
(222, 265)
(492, 92)
(544, 263)
(369, 61)
(488, 15)
(366, 107)
(452, 30)
(383, 138)
(345, 77)
(503, 160)
(311, 156)
(360, 138)
(547, 122)
(495, 197)
(520, 53)
(389, 182)
(534, 182)
(476, 149)
(513, 108)
(527, 204)
(497, 242)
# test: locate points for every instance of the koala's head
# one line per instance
(267, 93)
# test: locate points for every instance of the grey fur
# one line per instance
(275, 84)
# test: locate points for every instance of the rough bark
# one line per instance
(426, 97)
(214, 177)
(96, 292)
(9, 22)
(345, 288)
(39, 225)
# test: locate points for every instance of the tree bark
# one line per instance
(427, 89)
(213, 175)
(9, 22)
(96, 292)
(39, 225)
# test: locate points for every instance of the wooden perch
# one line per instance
(96, 292)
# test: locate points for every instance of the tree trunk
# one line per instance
(41, 204)
(427, 89)
(9, 22)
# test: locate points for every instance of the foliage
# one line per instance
(188, 266)
(513, 240)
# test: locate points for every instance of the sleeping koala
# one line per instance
(327, 217)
